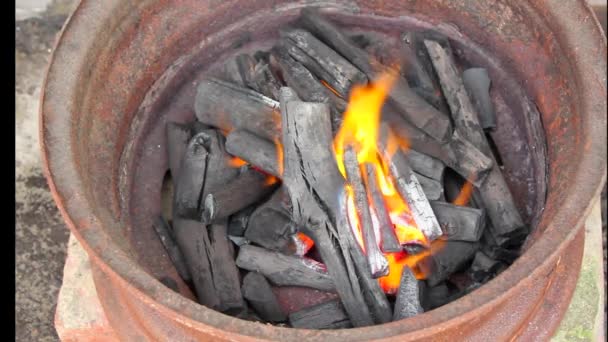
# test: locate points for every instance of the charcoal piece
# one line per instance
(295, 298)
(227, 106)
(451, 257)
(258, 293)
(433, 190)
(257, 151)
(457, 153)
(178, 136)
(375, 259)
(306, 85)
(284, 270)
(410, 189)
(161, 227)
(271, 227)
(247, 188)
(238, 240)
(189, 182)
(483, 267)
(264, 81)
(170, 283)
(459, 223)
(491, 249)
(463, 281)
(507, 225)
(239, 70)
(435, 296)
(322, 61)
(316, 187)
(477, 83)
(414, 248)
(411, 106)
(237, 224)
(207, 252)
(218, 170)
(328, 315)
(426, 165)
(407, 303)
(414, 70)
(388, 239)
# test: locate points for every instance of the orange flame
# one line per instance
(280, 160)
(330, 88)
(359, 130)
(236, 162)
(464, 195)
(306, 241)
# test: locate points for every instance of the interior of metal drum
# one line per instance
(519, 136)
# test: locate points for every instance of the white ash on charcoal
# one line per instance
(407, 303)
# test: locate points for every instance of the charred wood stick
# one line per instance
(178, 136)
(306, 85)
(388, 239)
(218, 170)
(245, 71)
(211, 265)
(433, 190)
(161, 227)
(426, 165)
(507, 224)
(271, 227)
(285, 270)
(328, 315)
(189, 182)
(410, 189)
(446, 260)
(375, 259)
(457, 153)
(247, 188)
(258, 293)
(458, 222)
(316, 189)
(323, 61)
(228, 106)
(411, 106)
(257, 151)
(265, 80)
(477, 83)
(407, 303)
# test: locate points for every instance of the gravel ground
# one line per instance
(41, 235)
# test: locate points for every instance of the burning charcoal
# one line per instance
(409, 104)
(457, 153)
(166, 238)
(507, 225)
(411, 190)
(328, 315)
(458, 222)
(207, 253)
(306, 85)
(259, 152)
(407, 303)
(435, 296)
(483, 267)
(388, 239)
(237, 224)
(447, 259)
(426, 165)
(375, 259)
(271, 227)
(228, 106)
(433, 190)
(247, 188)
(315, 187)
(285, 270)
(258, 293)
(322, 61)
(219, 169)
(178, 136)
(189, 182)
(414, 248)
(477, 83)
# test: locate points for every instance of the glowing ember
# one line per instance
(306, 242)
(464, 195)
(279, 147)
(360, 130)
(236, 162)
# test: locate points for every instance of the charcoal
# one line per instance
(425, 165)
(189, 182)
(435, 296)
(388, 239)
(483, 267)
(433, 190)
(507, 225)
(458, 222)
(259, 152)
(258, 293)
(161, 227)
(328, 315)
(407, 303)
(451, 257)
(284, 270)
(237, 224)
(477, 83)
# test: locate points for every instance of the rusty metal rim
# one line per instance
(55, 118)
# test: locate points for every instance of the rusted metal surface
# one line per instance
(121, 69)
